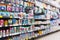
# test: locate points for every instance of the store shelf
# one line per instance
(10, 35)
(9, 18)
(41, 19)
(55, 29)
(49, 3)
(38, 14)
(28, 1)
(41, 24)
(19, 33)
(23, 22)
(44, 35)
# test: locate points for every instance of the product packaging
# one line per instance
(3, 33)
(1, 23)
(5, 22)
(0, 33)
(13, 8)
(10, 22)
(2, 7)
(17, 8)
(9, 8)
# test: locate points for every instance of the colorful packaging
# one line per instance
(7, 14)
(3, 33)
(1, 23)
(18, 29)
(26, 21)
(23, 36)
(17, 8)
(13, 1)
(5, 23)
(13, 7)
(2, 13)
(7, 32)
(23, 21)
(0, 33)
(14, 21)
(8, 0)
(10, 22)
(2, 7)
(9, 8)
(21, 8)
(17, 1)
(15, 29)
(21, 2)
(12, 30)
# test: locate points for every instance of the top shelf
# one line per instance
(49, 3)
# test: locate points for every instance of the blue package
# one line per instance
(13, 21)
(7, 14)
(15, 38)
(37, 17)
(2, 7)
(23, 35)
(26, 21)
(2, 13)
(23, 21)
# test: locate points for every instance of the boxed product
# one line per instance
(13, 8)
(12, 30)
(7, 32)
(0, 33)
(17, 8)
(1, 23)
(10, 22)
(9, 8)
(3, 33)
(5, 22)
(20, 8)
(2, 7)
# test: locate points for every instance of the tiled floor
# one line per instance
(55, 36)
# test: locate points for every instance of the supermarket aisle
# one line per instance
(55, 36)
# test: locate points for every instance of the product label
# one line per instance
(21, 8)
(1, 22)
(17, 8)
(13, 8)
(2, 7)
(9, 8)
(6, 23)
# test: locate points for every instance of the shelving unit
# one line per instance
(27, 20)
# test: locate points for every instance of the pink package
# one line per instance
(1, 22)
(9, 8)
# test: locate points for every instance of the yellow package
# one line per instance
(40, 32)
(1, 16)
(6, 23)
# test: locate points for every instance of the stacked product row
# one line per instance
(18, 17)
(46, 16)
(27, 19)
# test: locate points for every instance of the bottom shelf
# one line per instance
(31, 35)
(44, 35)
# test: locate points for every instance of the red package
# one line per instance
(1, 22)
